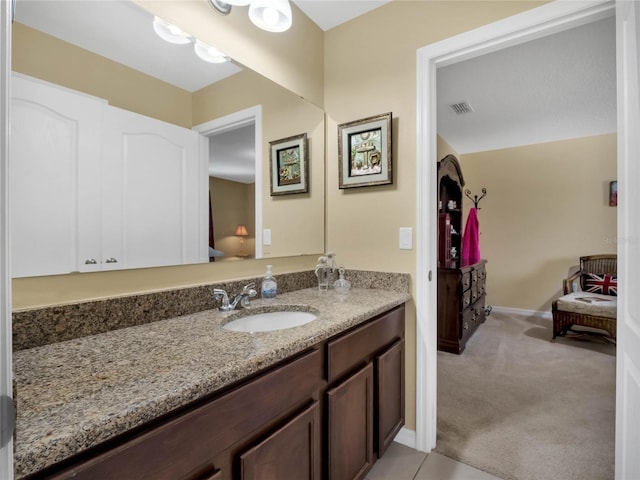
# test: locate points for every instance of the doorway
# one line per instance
(538, 22)
(247, 120)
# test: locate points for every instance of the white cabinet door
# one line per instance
(153, 194)
(54, 162)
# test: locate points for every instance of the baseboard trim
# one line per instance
(522, 311)
(406, 437)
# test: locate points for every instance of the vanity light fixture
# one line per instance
(170, 33)
(220, 6)
(209, 54)
(173, 34)
(269, 15)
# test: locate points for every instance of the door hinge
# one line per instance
(7, 420)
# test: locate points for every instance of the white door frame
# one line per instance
(550, 18)
(242, 118)
(628, 321)
(6, 453)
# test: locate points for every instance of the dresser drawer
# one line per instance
(467, 323)
(359, 345)
(482, 273)
(480, 288)
(466, 299)
(474, 293)
(465, 283)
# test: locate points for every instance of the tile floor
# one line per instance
(404, 463)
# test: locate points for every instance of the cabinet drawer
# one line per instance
(474, 293)
(357, 346)
(466, 281)
(466, 299)
(184, 446)
(481, 315)
(480, 288)
(482, 273)
(466, 322)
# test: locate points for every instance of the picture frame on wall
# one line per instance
(289, 165)
(364, 152)
(613, 193)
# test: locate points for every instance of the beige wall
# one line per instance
(445, 149)
(370, 68)
(546, 205)
(296, 221)
(232, 203)
(48, 58)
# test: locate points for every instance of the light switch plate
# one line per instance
(406, 238)
(266, 236)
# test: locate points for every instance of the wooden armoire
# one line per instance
(461, 288)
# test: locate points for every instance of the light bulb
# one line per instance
(270, 16)
(169, 32)
(208, 53)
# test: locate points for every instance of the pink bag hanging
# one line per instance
(471, 240)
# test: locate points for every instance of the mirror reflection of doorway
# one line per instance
(232, 194)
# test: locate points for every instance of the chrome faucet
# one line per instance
(248, 291)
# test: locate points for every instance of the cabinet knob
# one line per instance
(111, 260)
(90, 261)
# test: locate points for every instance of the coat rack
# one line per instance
(475, 198)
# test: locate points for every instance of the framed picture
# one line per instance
(364, 152)
(613, 193)
(289, 165)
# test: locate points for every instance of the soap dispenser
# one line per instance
(269, 285)
(322, 272)
(333, 269)
(341, 285)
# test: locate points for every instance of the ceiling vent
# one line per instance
(461, 108)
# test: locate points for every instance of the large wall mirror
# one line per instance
(110, 50)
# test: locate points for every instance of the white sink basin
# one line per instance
(269, 321)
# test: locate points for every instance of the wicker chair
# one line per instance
(564, 320)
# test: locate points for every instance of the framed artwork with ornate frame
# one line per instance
(364, 152)
(289, 165)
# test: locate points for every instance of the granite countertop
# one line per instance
(78, 393)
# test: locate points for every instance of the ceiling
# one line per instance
(556, 87)
(331, 13)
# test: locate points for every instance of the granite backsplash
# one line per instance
(42, 326)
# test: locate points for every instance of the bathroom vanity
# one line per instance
(184, 398)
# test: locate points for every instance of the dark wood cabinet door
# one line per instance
(291, 452)
(350, 426)
(217, 475)
(390, 395)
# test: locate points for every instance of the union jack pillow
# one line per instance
(603, 283)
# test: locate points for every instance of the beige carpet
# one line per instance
(520, 407)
